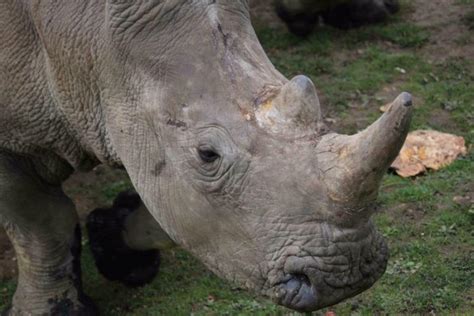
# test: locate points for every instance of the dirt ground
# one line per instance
(446, 18)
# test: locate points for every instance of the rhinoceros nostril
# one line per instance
(302, 278)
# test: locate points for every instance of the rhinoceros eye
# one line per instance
(208, 155)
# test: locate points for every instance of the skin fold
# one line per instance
(230, 158)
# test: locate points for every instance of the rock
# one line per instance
(462, 200)
(424, 149)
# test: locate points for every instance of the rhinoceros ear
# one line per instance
(295, 109)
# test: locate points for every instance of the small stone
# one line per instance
(210, 299)
(355, 306)
(400, 70)
(462, 200)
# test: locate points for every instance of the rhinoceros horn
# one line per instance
(293, 111)
(350, 166)
(353, 166)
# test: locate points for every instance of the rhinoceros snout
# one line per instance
(297, 293)
(314, 281)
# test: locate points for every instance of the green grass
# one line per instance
(110, 191)
(184, 285)
(431, 237)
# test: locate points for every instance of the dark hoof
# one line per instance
(300, 24)
(360, 12)
(113, 258)
(66, 308)
(89, 309)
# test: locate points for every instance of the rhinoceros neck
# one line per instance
(51, 101)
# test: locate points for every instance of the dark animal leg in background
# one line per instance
(349, 14)
(360, 12)
(298, 24)
(114, 257)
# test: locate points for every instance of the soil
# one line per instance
(442, 15)
(445, 17)
(85, 188)
(8, 266)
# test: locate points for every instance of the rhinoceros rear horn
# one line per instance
(295, 109)
(299, 101)
(355, 164)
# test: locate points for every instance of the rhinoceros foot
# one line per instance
(114, 259)
(65, 307)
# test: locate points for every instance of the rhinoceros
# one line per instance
(301, 16)
(231, 159)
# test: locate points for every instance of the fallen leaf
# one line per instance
(424, 149)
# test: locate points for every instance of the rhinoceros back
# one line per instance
(49, 104)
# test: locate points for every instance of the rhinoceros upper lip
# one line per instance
(297, 292)
(303, 285)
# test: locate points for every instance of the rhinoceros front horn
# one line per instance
(295, 109)
(353, 166)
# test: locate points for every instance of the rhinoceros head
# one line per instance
(234, 161)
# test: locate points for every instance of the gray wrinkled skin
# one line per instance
(230, 158)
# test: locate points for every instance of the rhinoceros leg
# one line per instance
(125, 240)
(355, 13)
(42, 225)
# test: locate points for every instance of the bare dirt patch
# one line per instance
(8, 266)
(86, 188)
(450, 36)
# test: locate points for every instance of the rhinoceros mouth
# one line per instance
(297, 292)
(312, 286)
